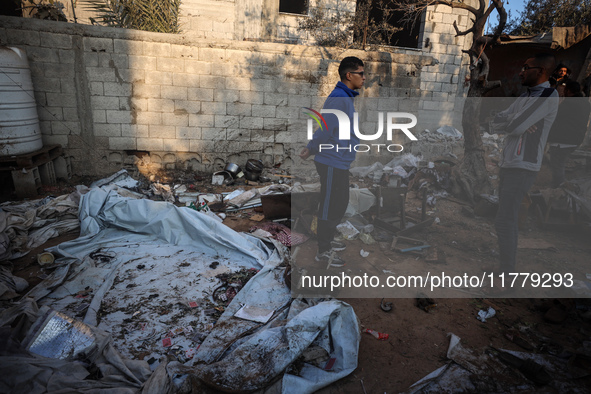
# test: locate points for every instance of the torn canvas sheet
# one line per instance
(147, 272)
(97, 368)
(31, 223)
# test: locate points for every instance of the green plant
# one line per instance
(149, 15)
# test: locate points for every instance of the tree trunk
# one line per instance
(473, 177)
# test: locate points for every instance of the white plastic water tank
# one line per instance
(19, 122)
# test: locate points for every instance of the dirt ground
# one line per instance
(418, 340)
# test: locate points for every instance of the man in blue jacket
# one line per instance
(333, 156)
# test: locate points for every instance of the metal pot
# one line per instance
(232, 168)
(251, 176)
(255, 166)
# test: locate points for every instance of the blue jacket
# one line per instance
(340, 98)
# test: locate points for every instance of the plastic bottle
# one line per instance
(376, 334)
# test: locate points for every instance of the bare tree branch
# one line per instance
(462, 33)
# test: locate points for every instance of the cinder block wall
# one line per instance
(117, 98)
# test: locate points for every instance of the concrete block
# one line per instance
(63, 139)
(170, 64)
(107, 130)
(238, 135)
(187, 107)
(252, 97)
(158, 49)
(149, 118)
(90, 59)
(150, 144)
(213, 134)
(118, 116)
(226, 96)
(122, 143)
(137, 62)
(215, 108)
(104, 102)
(68, 85)
(184, 51)
(428, 76)
(113, 60)
(99, 116)
(237, 83)
(251, 123)
(43, 55)
(284, 137)
(157, 131)
(239, 109)
(187, 80)
(63, 100)
(173, 119)
(51, 113)
(173, 92)
(71, 114)
(54, 70)
(100, 74)
(226, 121)
(23, 37)
(135, 130)
(200, 94)
(142, 90)
(53, 40)
(206, 121)
(48, 85)
(96, 44)
(213, 55)
(169, 145)
(129, 47)
(444, 78)
(160, 105)
(66, 56)
(211, 82)
(263, 111)
(278, 99)
(188, 133)
(262, 135)
(263, 85)
(62, 127)
(198, 67)
(434, 16)
(299, 101)
(117, 89)
(158, 78)
(274, 124)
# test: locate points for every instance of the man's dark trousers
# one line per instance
(334, 197)
(514, 185)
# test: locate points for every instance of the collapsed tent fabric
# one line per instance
(142, 270)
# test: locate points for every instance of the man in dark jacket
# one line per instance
(333, 157)
(568, 130)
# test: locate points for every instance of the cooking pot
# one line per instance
(233, 169)
(251, 176)
(255, 166)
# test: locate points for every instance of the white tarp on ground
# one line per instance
(138, 264)
(31, 223)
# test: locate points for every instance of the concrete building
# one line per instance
(231, 86)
